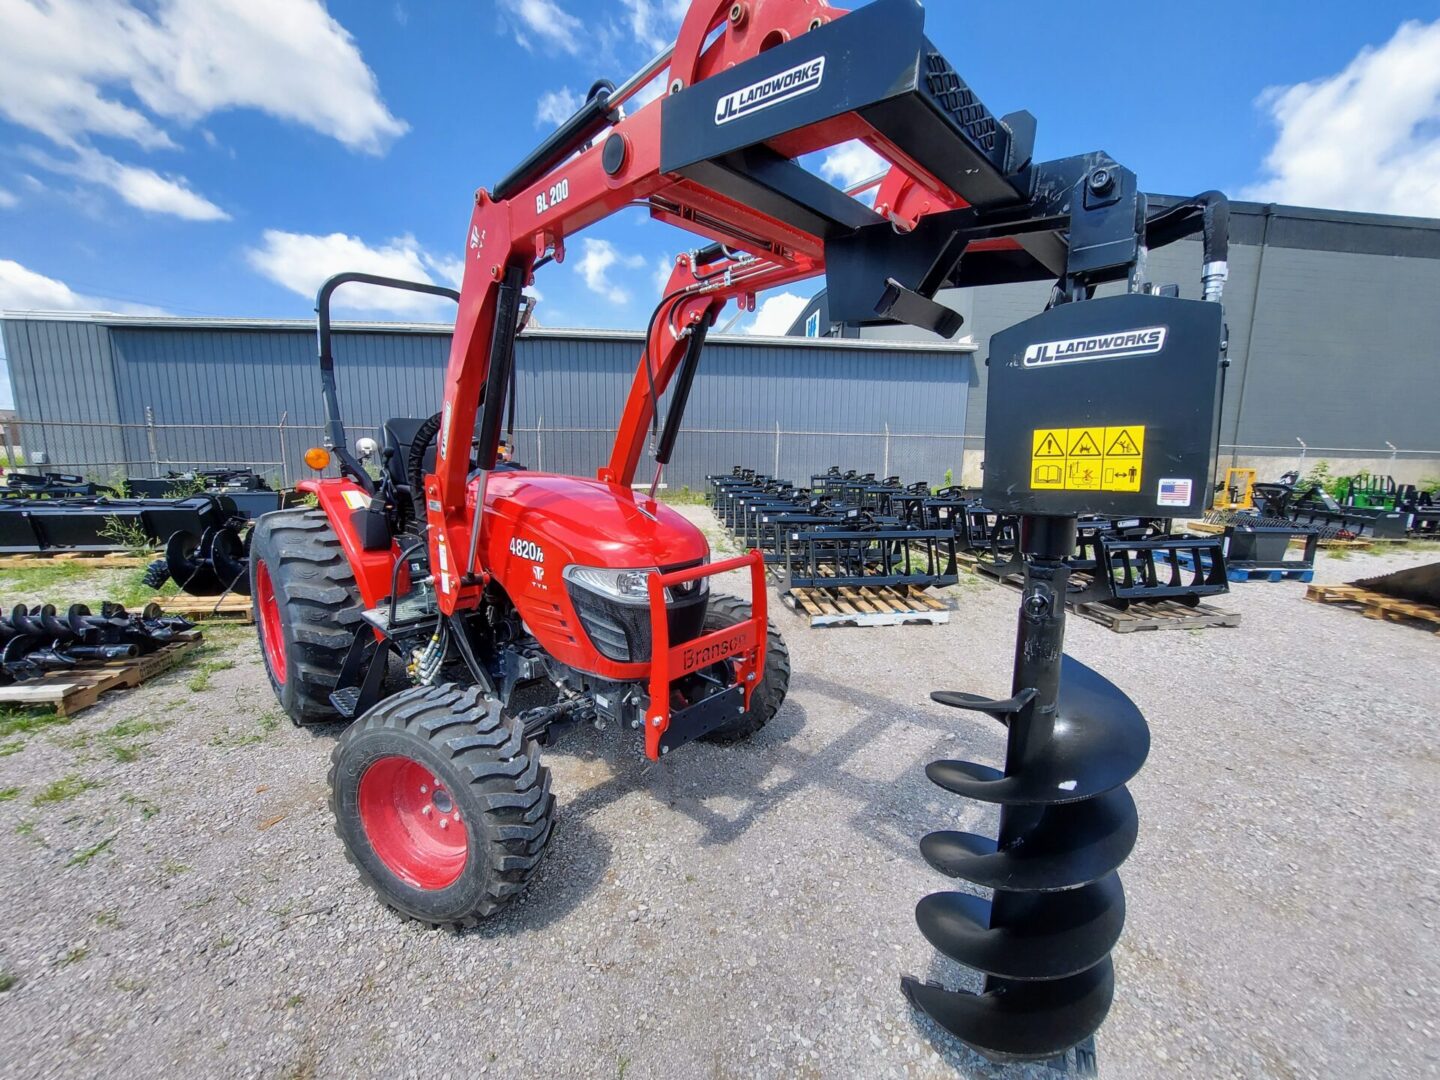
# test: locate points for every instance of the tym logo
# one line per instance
(772, 91)
(1100, 347)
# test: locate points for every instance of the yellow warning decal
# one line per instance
(1087, 459)
(355, 500)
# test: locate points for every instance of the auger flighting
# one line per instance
(1072, 430)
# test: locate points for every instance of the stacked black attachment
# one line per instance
(1067, 822)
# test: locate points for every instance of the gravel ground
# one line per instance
(177, 905)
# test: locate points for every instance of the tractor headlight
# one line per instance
(631, 586)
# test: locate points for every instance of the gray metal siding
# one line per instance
(218, 395)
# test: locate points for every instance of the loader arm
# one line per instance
(749, 88)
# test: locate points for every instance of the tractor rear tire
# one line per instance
(767, 698)
(442, 803)
(307, 609)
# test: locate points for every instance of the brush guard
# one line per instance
(668, 727)
(1067, 823)
(877, 558)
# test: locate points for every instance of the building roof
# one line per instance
(168, 322)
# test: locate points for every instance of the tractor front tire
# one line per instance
(767, 698)
(307, 609)
(442, 803)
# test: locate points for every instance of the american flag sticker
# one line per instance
(1176, 492)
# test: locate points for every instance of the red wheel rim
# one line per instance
(271, 635)
(412, 823)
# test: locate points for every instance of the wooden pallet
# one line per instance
(231, 608)
(99, 560)
(1140, 615)
(71, 691)
(1156, 615)
(899, 606)
(1376, 605)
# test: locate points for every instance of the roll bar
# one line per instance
(334, 426)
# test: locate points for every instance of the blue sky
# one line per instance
(222, 156)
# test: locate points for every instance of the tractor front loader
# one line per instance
(460, 610)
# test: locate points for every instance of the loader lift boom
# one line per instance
(961, 184)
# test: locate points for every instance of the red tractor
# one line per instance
(517, 602)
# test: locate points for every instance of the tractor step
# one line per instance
(70, 692)
(866, 607)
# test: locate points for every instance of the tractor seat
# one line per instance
(397, 435)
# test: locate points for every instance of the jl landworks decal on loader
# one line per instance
(800, 79)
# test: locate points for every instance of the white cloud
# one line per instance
(597, 259)
(8, 199)
(301, 262)
(1367, 138)
(663, 269)
(655, 22)
(23, 289)
(777, 314)
(142, 188)
(851, 164)
(62, 63)
(545, 21)
(556, 106)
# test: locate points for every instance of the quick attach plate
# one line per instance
(1105, 407)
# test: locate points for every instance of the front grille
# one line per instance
(621, 632)
(951, 94)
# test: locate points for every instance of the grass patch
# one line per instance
(74, 956)
(128, 534)
(264, 726)
(128, 754)
(109, 918)
(45, 575)
(6, 749)
(683, 496)
(173, 868)
(27, 830)
(8, 981)
(67, 787)
(132, 729)
(200, 680)
(145, 807)
(294, 1001)
(28, 721)
(127, 984)
(134, 595)
(82, 858)
(8, 794)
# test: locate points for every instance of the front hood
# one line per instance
(588, 521)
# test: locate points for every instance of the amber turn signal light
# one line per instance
(317, 457)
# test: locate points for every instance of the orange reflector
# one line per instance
(317, 457)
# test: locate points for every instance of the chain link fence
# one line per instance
(108, 452)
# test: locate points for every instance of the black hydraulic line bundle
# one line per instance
(37, 640)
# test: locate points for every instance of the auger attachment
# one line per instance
(214, 563)
(1066, 824)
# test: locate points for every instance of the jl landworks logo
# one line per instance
(1099, 347)
(772, 91)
